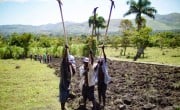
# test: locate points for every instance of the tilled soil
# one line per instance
(134, 86)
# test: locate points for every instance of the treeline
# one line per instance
(158, 39)
(26, 44)
(23, 45)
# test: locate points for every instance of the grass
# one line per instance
(29, 85)
(32, 86)
(152, 55)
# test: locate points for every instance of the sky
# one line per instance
(38, 12)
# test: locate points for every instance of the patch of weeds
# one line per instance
(175, 56)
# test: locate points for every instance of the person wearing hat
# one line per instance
(103, 77)
(67, 70)
(88, 80)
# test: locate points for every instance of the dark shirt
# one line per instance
(65, 73)
(100, 74)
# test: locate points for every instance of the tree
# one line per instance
(139, 8)
(99, 24)
(25, 42)
(126, 24)
(125, 41)
(141, 41)
(115, 41)
(1, 40)
(126, 27)
(14, 39)
(44, 42)
(22, 40)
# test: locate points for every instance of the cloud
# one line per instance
(22, 1)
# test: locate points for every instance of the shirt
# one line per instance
(104, 69)
(91, 76)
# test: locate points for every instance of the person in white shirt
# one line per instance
(88, 76)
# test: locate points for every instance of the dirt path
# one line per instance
(135, 86)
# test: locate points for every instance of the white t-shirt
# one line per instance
(91, 75)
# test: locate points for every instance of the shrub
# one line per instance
(74, 49)
(5, 52)
(85, 50)
(17, 52)
(90, 44)
(80, 50)
(57, 51)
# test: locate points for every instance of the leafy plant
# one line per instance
(5, 52)
(17, 52)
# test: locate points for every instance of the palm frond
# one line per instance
(145, 3)
(149, 11)
(131, 11)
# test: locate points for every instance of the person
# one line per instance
(103, 77)
(88, 80)
(44, 58)
(31, 56)
(67, 70)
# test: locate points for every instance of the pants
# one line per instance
(102, 87)
(88, 92)
(64, 92)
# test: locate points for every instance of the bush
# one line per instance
(79, 49)
(57, 51)
(85, 50)
(17, 52)
(50, 50)
(5, 52)
(90, 44)
(74, 49)
(11, 52)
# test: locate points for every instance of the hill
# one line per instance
(160, 23)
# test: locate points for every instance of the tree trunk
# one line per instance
(124, 51)
(98, 37)
(139, 52)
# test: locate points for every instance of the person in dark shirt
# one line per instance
(67, 69)
(102, 77)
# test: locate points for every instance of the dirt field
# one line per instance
(135, 86)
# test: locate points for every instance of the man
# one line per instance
(88, 80)
(102, 77)
(67, 69)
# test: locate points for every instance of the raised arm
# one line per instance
(91, 57)
(104, 54)
(65, 53)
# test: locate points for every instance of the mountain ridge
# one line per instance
(161, 22)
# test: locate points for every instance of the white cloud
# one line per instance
(22, 1)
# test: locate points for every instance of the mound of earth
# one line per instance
(134, 86)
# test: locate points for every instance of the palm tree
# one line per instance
(99, 24)
(139, 8)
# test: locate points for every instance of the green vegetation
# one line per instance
(162, 47)
(153, 55)
(27, 85)
(99, 23)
